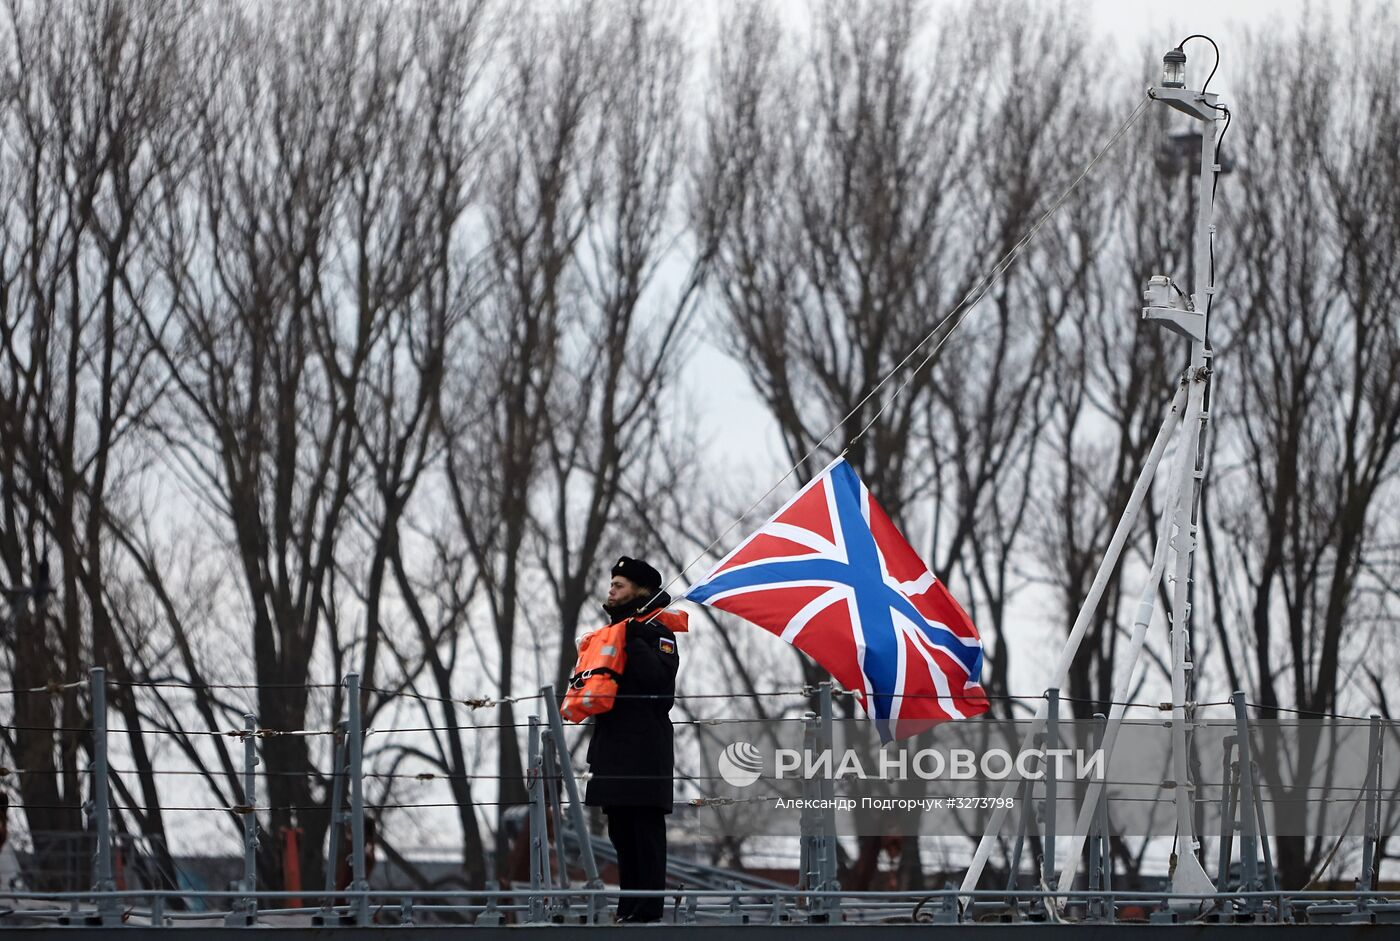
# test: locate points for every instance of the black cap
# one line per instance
(637, 571)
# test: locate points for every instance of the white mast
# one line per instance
(1190, 321)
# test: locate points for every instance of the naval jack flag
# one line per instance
(831, 575)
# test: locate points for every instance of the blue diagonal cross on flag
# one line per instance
(831, 575)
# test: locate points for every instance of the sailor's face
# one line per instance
(622, 590)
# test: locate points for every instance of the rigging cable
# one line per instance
(956, 316)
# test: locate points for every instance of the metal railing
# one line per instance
(732, 906)
(559, 842)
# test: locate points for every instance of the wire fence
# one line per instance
(1327, 792)
(801, 695)
(341, 780)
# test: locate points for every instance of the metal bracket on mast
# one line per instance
(1195, 104)
(1163, 307)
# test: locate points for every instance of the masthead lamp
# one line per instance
(1174, 69)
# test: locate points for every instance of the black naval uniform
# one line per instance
(632, 759)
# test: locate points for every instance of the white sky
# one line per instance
(731, 416)
(744, 450)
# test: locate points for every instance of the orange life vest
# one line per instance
(602, 656)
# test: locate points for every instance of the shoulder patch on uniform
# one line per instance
(667, 646)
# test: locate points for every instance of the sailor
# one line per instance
(631, 755)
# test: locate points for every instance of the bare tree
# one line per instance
(348, 336)
(409, 194)
(543, 185)
(610, 417)
(858, 199)
(87, 105)
(269, 357)
(1115, 375)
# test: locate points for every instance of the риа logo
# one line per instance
(740, 764)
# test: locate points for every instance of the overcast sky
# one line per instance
(732, 420)
(745, 453)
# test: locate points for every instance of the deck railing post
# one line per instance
(538, 835)
(1051, 767)
(1025, 811)
(355, 743)
(1097, 837)
(1262, 828)
(577, 818)
(550, 764)
(1367, 882)
(812, 863)
(250, 801)
(245, 910)
(102, 881)
(1228, 785)
(1110, 912)
(1249, 832)
(827, 840)
(337, 821)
